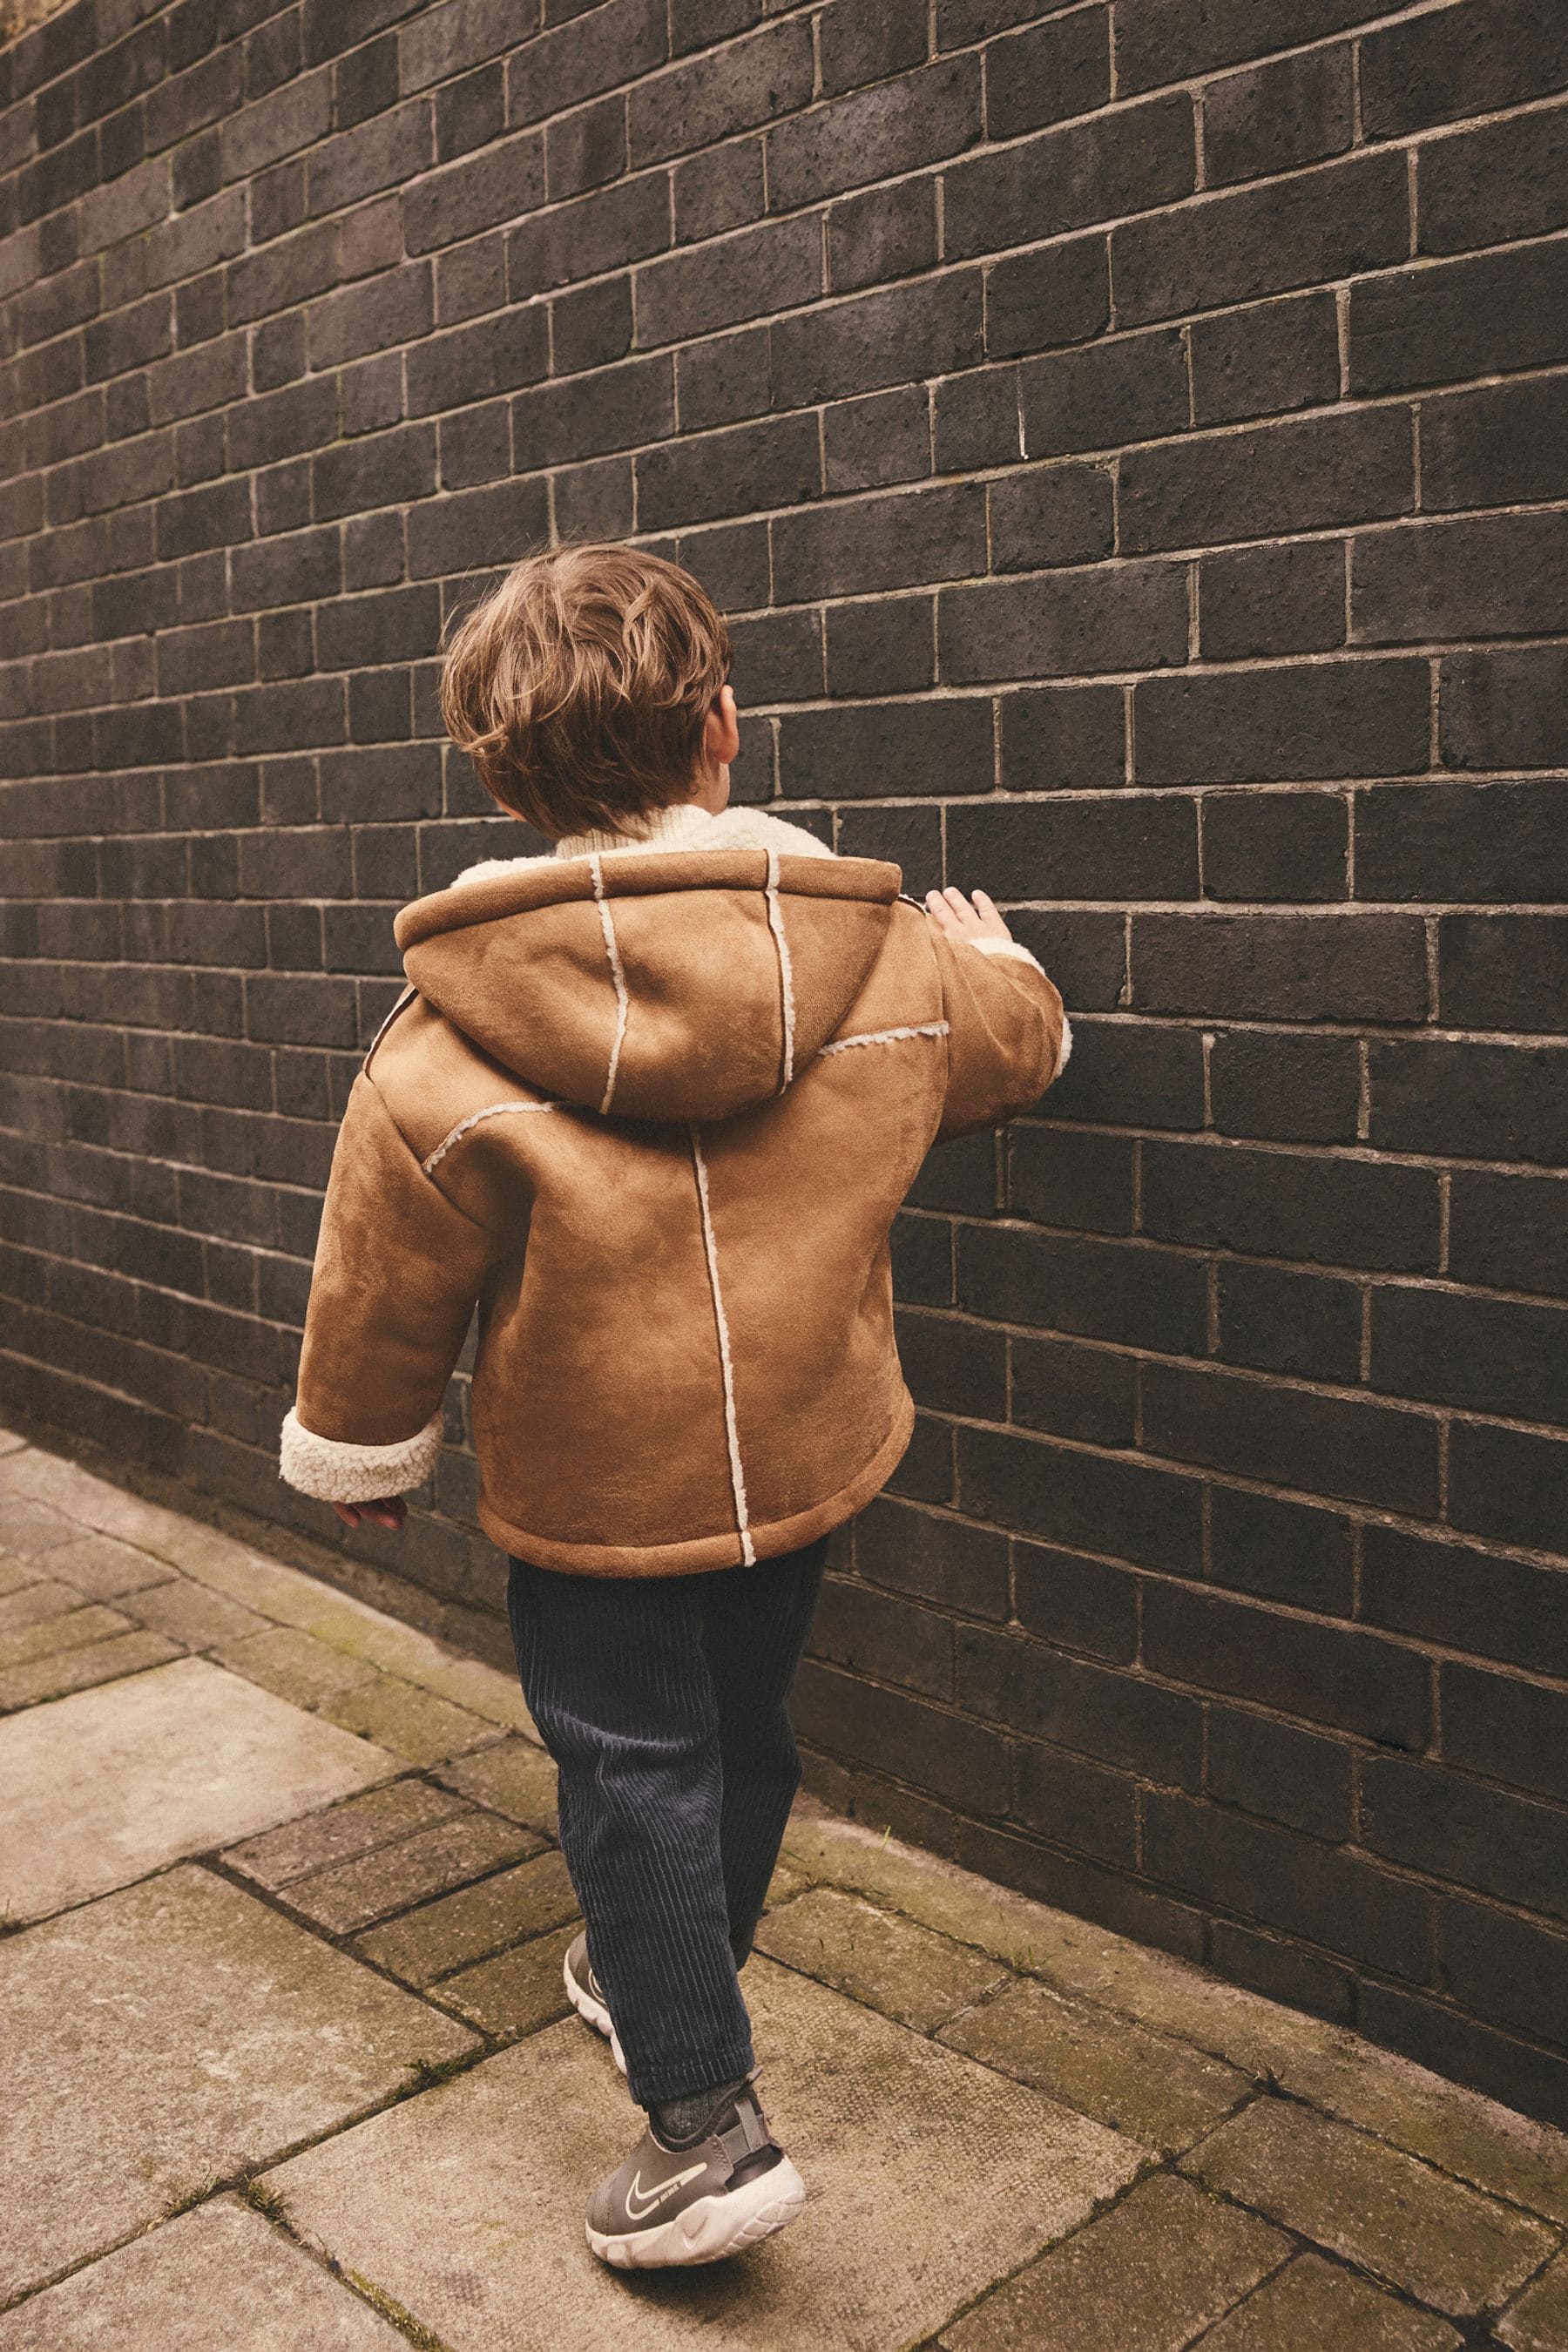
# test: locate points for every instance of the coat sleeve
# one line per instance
(398, 1270)
(1008, 1037)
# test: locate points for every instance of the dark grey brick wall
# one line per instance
(1127, 437)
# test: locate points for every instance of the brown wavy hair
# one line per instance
(579, 687)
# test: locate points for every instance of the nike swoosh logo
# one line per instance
(641, 2201)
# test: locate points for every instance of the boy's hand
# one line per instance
(388, 1514)
(963, 919)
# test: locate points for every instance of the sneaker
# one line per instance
(724, 2190)
(586, 1995)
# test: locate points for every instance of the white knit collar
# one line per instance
(668, 828)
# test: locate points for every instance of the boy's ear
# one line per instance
(721, 730)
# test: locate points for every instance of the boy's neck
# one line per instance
(676, 822)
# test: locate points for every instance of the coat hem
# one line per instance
(769, 1539)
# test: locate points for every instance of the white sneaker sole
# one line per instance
(593, 2012)
(711, 2228)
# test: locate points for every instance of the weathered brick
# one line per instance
(1097, 170)
(1502, 180)
(874, 134)
(1326, 719)
(1454, 319)
(1126, 390)
(1339, 1211)
(1272, 600)
(1296, 111)
(1296, 475)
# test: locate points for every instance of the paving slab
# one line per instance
(1386, 2211)
(411, 1722)
(458, 1929)
(112, 1782)
(14, 1573)
(1458, 2129)
(1312, 2305)
(514, 1778)
(353, 1894)
(219, 2275)
(517, 1991)
(1134, 2081)
(926, 2177)
(45, 1597)
(170, 2035)
(298, 1667)
(102, 1567)
(1145, 2277)
(192, 1615)
(1537, 2321)
(29, 1526)
(340, 1831)
(907, 1972)
(76, 1670)
(65, 1628)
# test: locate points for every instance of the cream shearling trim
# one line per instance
(335, 1472)
(491, 1111)
(885, 1037)
(1013, 948)
(737, 1475)
(617, 973)
(786, 977)
(685, 826)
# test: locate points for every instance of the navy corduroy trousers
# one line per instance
(664, 1701)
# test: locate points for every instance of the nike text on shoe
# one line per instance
(586, 1995)
(726, 2189)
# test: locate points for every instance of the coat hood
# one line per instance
(665, 984)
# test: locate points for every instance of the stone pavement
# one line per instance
(289, 2065)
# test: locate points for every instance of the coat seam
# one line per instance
(617, 973)
(737, 1474)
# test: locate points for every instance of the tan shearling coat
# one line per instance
(651, 1107)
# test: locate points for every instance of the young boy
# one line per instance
(651, 1104)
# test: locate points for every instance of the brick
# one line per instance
(1324, 1673)
(1500, 181)
(1133, 1074)
(1282, 1773)
(1474, 1101)
(881, 648)
(1130, 617)
(965, 1762)
(862, 45)
(1509, 1730)
(1285, 1089)
(610, 409)
(873, 134)
(585, 149)
(1296, 111)
(881, 438)
(1110, 393)
(1503, 839)
(873, 1634)
(1503, 971)
(932, 1559)
(1303, 1324)
(1282, 967)
(1123, 850)
(1277, 845)
(1453, 1593)
(1510, 1231)
(1054, 295)
(1264, 726)
(1086, 1394)
(1507, 1484)
(770, 463)
(1272, 600)
(1446, 1824)
(885, 233)
(880, 338)
(1294, 1552)
(1084, 953)
(1118, 1718)
(1504, 709)
(1167, 40)
(1099, 1289)
(1098, 170)
(847, 549)
(1075, 1602)
(1081, 1181)
(1337, 1901)
(1448, 322)
(1050, 71)
(1500, 446)
(1462, 60)
(1051, 516)
(580, 58)
(1510, 1970)
(1487, 1355)
(746, 83)
(763, 269)
(1318, 1445)
(952, 1366)
(1339, 1211)
(603, 231)
(1335, 221)
(1505, 574)
(1299, 476)
(1064, 737)
(880, 748)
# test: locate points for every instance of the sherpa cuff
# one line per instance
(1020, 954)
(335, 1472)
